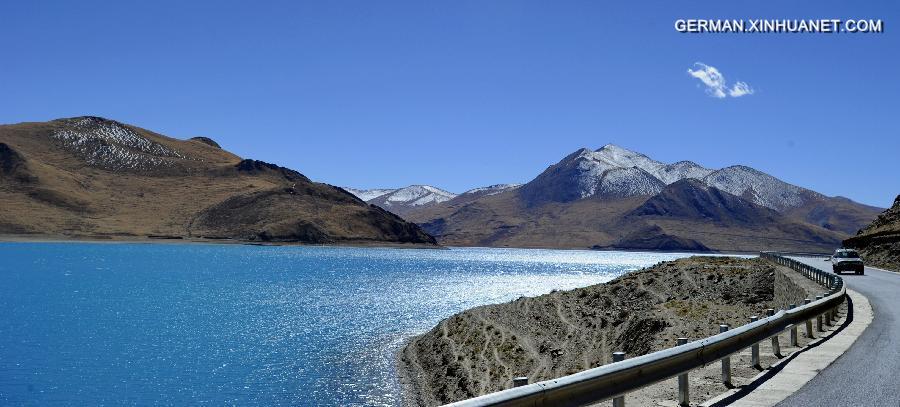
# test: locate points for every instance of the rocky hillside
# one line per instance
(93, 178)
(616, 198)
(480, 350)
(879, 242)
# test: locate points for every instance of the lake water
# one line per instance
(140, 324)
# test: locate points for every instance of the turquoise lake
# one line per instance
(190, 324)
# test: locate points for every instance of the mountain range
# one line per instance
(616, 198)
(90, 177)
(404, 200)
(94, 178)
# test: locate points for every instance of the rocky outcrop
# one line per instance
(206, 140)
(879, 243)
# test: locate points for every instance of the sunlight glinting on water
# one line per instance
(207, 324)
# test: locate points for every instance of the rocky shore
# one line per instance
(480, 350)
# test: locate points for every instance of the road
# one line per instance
(868, 374)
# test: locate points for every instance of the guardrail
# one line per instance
(614, 380)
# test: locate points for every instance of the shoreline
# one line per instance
(126, 239)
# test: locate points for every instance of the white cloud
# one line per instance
(715, 82)
(740, 89)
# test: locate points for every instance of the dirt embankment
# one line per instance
(480, 350)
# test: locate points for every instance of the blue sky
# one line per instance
(460, 94)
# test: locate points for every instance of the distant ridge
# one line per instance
(420, 197)
(615, 197)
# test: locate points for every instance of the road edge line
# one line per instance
(794, 372)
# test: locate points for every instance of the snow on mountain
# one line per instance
(759, 187)
(624, 182)
(369, 194)
(672, 173)
(491, 189)
(610, 160)
(416, 195)
(112, 145)
(667, 173)
(613, 171)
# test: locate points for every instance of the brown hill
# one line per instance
(880, 241)
(89, 177)
(686, 215)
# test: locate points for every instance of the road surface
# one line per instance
(868, 374)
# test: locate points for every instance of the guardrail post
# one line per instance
(819, 318)
(726, 362)
(829, 320)
(619, 401)
(520, 381)
(754, 349)
(793, 329)
(684, 397)
(809, 329)
(776, 347)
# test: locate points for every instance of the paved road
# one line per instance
(869, 373)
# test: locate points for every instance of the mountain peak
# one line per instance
(616, 148)
(624, 157)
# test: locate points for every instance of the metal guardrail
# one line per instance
(614, 380)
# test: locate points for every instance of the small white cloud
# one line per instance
(715, 82)
(740, 89)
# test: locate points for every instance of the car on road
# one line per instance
(847, 260)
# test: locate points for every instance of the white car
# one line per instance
(847, 260)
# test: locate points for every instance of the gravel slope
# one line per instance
(480, 350)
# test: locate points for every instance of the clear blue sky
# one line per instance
(460, 94)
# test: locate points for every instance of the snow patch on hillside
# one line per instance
(491, 189)
(759, 187)
(111, 145)
(623, 182)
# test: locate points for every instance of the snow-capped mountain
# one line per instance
(416, 195)
(369, 194)
(400, 200)
(616, 198)
(613, 156)
(615, 172)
